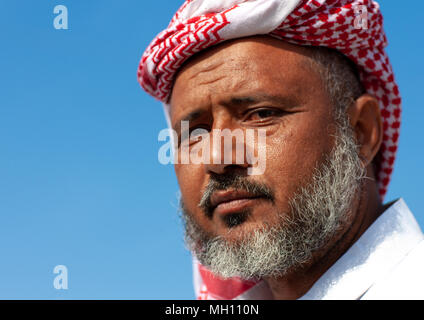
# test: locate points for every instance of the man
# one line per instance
(314, 76)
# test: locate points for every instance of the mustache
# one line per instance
(235, 181)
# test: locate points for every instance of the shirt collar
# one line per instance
(382, 246)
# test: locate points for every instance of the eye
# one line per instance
(264, 114)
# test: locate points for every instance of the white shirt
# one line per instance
(386, 262)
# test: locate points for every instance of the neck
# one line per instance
(295, 284)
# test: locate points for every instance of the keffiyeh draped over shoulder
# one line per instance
(354, 27)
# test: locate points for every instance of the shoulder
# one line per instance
(404, 281)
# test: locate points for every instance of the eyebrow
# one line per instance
(256, 98)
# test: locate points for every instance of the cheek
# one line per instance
(190, 179)
(293, 153)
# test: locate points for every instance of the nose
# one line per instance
(227, 151)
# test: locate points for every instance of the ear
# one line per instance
(365, 119)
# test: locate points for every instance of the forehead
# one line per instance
(255, 65)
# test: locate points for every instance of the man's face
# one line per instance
(253, 83)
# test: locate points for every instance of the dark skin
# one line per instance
(261, 82)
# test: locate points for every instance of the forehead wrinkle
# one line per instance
(209, 74)
(209, 68)
(206, 82)
(197, 76)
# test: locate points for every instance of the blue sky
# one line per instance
(80, 182)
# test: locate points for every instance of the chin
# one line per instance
(235, 227)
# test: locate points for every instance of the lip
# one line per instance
(226, 202)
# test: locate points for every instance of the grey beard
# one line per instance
(318, 212)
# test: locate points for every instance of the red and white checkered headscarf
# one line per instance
(353, 27)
